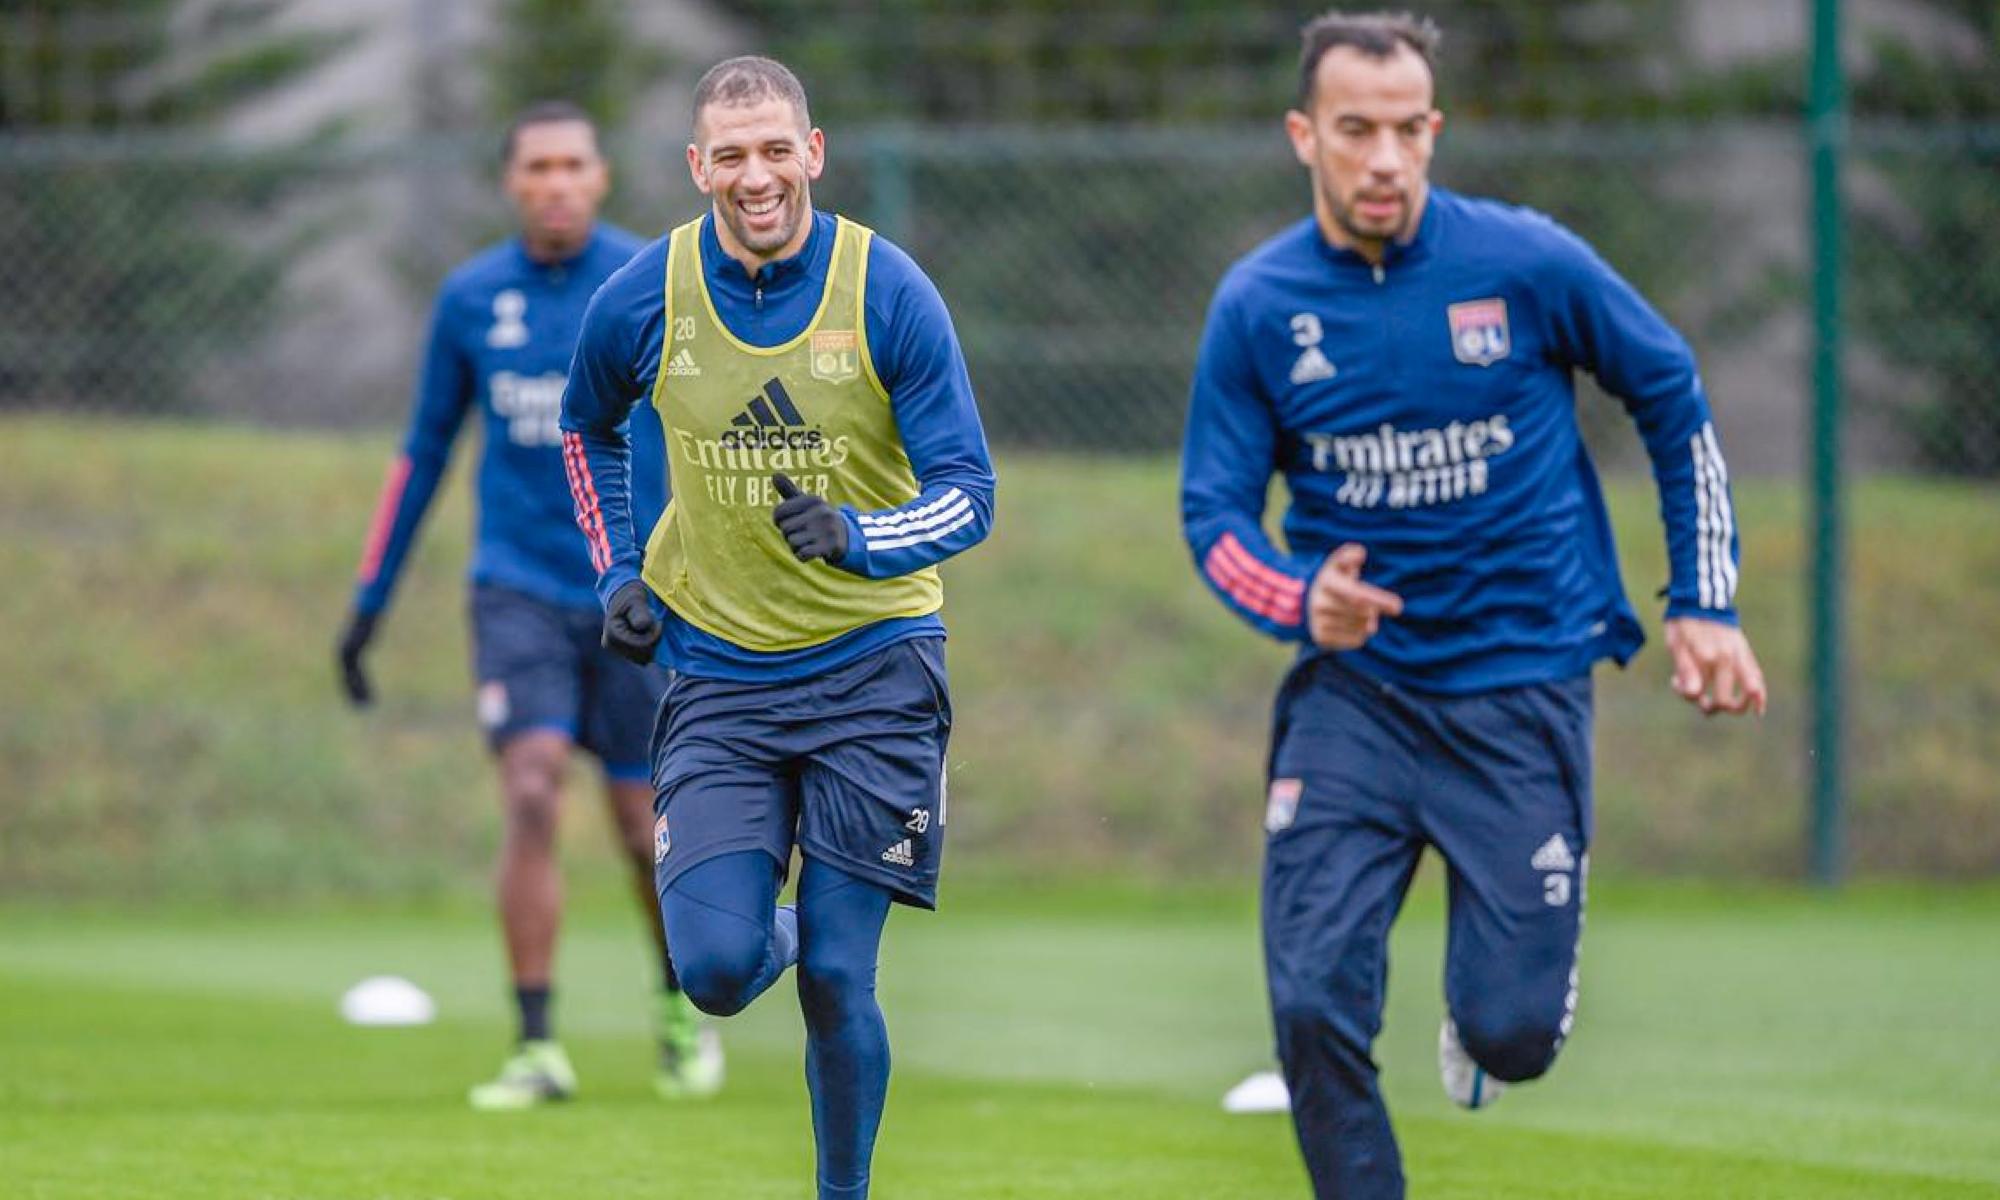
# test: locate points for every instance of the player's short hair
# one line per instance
(746, 80)
(1375, 34)
(543, 112)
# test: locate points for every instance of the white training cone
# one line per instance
(387, 1000)
(1263, 1092)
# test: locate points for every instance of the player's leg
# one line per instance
(727, 808)
(690, 1058)
(528, 881)
(730, 938)
(528, 695)
(847, 1044)
(1341, 852)
(619, 706)
(872, 833)
(1510, 809)
(631, 803)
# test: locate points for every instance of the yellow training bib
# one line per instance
(734, 415)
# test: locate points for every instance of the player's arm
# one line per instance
(444, 395)
(1229, 454)
(1603, 325)
(596, 425)
(917, 357)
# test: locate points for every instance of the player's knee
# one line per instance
(1510, 1044)
(1303, 1022)
(718, 988)
(718, 974)
(531, 790)
(532, 812)
(832, 988)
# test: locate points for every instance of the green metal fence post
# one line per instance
(889, 184)
(1826, 131)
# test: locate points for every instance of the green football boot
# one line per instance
(538, 1073)
(690, 1052)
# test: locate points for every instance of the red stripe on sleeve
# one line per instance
(1274, 579)
(384, 521)
(1270, 594)
(1248, 592)
(583, 490)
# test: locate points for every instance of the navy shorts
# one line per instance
(848, 765)
(1365, 774)
(540, 666)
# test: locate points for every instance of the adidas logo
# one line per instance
(1553, 856)
(769, 434)
(772, 406)
(771, 422)
(900, 854)
(681, 365)
(1312, 366)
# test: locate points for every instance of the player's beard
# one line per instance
(1344, 216)
(792, 204)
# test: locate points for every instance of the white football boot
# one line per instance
(1465, 1081)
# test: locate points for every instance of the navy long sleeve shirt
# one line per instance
(1425, 409)
(502, 332)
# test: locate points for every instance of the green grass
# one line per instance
(172, 728)
(1061, 1045)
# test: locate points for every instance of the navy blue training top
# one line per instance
(1425, 409)
(501, 336)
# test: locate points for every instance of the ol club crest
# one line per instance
(836, 356)
(1479, 331)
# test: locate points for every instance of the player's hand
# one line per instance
(814, 528)
(1714, 668)
(354, 639)
(631, 631)
(1341, 611)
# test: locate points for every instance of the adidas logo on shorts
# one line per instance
(900, 855)
(1553, 856)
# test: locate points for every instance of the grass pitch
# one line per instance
(1052, 1045)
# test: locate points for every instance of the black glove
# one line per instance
(631, 630)
(353, 640)
(813, 527)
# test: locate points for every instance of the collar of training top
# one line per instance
(1418, 247)
(535, 264)
(728, 275)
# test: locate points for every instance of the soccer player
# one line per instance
(827, 455)
(504, 327)
(1404, 357)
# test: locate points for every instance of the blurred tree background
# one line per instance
(74, 208)
(1611, 74)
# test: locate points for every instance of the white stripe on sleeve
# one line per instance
(1727, 534)
(920, 530)
(934, 535)
(1702, 522)
(887, 521)
(1715, 522)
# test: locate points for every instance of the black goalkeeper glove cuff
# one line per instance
(347, 654)
(631, 630)
(813, 528)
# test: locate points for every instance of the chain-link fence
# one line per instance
(180, 277)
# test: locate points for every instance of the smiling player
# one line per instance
(826, 455)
